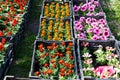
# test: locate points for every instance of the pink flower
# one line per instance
(87, 55)
(94, 20)
(95, 37)
(81, 35)
(79, 27)
(97, 31)
(96, 3)
(76, 8)
(84, 7)
(76, 23)
(89, 61)
(104, 71)
(103, 38)
(106, 29)
(88, 20)
(88, 14)
(100, 13)
(94, 24)
(92, 8)
(115, 55)
(81, 19)
(102, 21)
(106, 33)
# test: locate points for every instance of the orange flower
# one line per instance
(49, 71)
(37, 73)
(1, 46)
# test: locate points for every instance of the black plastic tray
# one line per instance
(77, 2)
(34, 62)
(96, 17)
(38, 35)
(48, 1)
(93, 45)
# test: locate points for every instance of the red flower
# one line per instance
(9, 33)
(37, 73)
(3, 40)
(14, 22)
(1, 9)
(1, 46)
(1, 33)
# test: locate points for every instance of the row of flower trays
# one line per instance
(13, 16)
(74, 42)
(12, 19)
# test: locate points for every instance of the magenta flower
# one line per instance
(96, 3)
(94, 20)
(100, 13)
(103, 21)
(76, 8)
(79, 27)
(106, 33)
(104, 71)
(88, 14)
(103, 38)
(84, 7)
(92, 8)
(95, 37)
(94, 24)
(88, 20)
(81, 19)
(81, 35)
(76, 23)
(106, 29)
(97, 32)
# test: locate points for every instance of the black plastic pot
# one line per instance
(93, 45)
(38, 35)
(35, 66)
(76, 17)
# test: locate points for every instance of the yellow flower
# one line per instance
(61, 24)
(61, 35)
(57, 4)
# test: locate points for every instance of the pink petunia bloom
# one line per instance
(89, 14)
(106, 29)
(103, 38)
(76, 23)
(79, 27)
(94, 20)
(76, 8)
(89, 61)
(82, 19)
(94, 24)
(81, 35)
(92, 8)
(102, 21)
(97, 31)
(104, 71)
(95, 37)
(96, 3)
(88, 20)
(84, 7)
(106, 33)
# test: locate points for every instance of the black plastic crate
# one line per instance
(61, 3)
(7, 62)
(35, 66)
(93, 46)
(47, 20)
(111, 37)
(78, 2)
